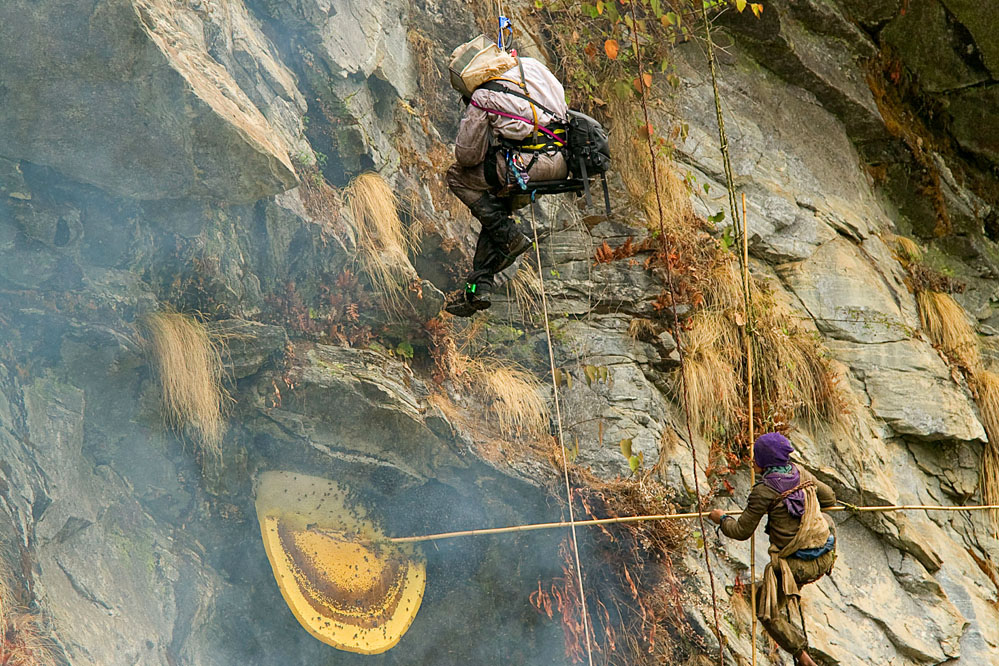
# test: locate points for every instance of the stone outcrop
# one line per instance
(148, 160)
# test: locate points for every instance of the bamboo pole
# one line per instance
(669, 516)
(749, 400)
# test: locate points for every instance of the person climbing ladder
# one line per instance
(802, 539)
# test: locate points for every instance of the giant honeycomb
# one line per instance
(344, 582)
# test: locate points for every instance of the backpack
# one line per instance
(587, 152)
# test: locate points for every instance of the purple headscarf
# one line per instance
(773, 450)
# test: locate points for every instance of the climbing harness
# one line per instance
(679, 346)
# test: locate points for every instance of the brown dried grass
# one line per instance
(986, 385)
(188, 363)
(907, 250)
(948, 327)
(24, 637)
(525, 287)
(711, 367)
(381, 240)
(512, 394)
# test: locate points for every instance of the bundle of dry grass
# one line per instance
(513, 395)
(948, 327)
(986, 385)
(712, 371)
(381, 239)
(907, 251)
(791, 373)
(188, 362)
(24, 637)
(525, 286)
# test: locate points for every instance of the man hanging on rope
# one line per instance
(509, 134)
(802, 539)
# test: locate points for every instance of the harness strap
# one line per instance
(522, 119)
(787, 493)
(527, 93)
(493, 85)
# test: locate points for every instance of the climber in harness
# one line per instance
(802, 538)
(512, 132)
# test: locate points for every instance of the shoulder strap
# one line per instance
(787, 493)
(496, 86)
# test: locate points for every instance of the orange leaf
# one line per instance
(647, 78)
(758, 9)
(611, 48)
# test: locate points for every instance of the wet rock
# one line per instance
(249, 344)
(940, 57)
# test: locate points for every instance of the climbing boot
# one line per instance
(511, 240)
(473, 298)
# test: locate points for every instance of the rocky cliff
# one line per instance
(195, 156)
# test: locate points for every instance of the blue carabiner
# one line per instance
(504, 24)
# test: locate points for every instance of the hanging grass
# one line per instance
(514, 396)
(25, 639)
(986, 385)
(382, 243)
(188, 364)
(948, 327)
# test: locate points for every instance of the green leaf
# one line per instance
(625, 445)
(313, 314)
(728, 237)
(657, 8)
(404, 349)
(634, 462)
(740, 5)
(672, 18)
(591, 374)
(717, 217)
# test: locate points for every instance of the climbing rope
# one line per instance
(561, 437)
(845, 506)
(677, 338)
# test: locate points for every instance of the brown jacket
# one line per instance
(781, 525)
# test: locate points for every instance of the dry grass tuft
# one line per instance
(633, 163)
(790, 368)
(525, 286)
(948, 327)
(24, 637)
(28, 643)
(712, 366)
(907, 250)
(986, 385)
(513, 395)
(381, 240)
(188, 362)
(642, 329)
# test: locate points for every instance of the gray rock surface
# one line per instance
(147, 163)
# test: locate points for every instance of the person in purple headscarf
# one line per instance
(779, 494)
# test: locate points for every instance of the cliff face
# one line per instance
(160, 154)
